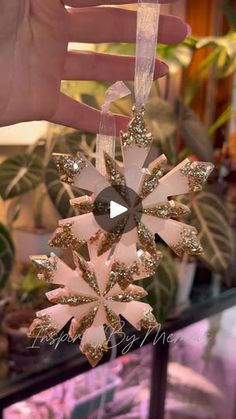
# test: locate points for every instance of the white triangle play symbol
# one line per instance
(116, 209)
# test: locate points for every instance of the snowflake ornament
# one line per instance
(91, 296)
(154, 188)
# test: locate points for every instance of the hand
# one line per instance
(34, 36)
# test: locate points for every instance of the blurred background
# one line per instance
(191, 113)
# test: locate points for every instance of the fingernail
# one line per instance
(189, 30)
(161, 69)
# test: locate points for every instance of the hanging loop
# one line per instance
(146, 40)
(105, 140)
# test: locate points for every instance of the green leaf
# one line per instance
(20, 174)
(75, 89)
(176, 57)
(90, 100)
(210, 218)
(30, 283)
(215, 41)
(161, 119)
(59, 192)
(7, 255)
(73, 141)
(192, 89)
(162, 287)
(222, 119)
(76, 141)
(117, 48)
(195, 135)
(200, 75)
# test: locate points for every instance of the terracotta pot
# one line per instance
(15, 325)
(24, 352)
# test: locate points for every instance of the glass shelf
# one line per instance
(50, 365)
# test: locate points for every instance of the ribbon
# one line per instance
(105, 140)
(146, 40)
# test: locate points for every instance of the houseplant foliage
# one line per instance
(20, 174)
(163, 286)
(6, 255)
(216, 235)
(208, 214)
(61, 193)
(34, 170)
(165, 121)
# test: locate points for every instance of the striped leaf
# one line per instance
(20, 174)
(211, 219)
(59, 192)
(194, 134)
(6, 255)
(162, 287)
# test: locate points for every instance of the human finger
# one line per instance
(77, 115)
(104, 67)
(119, 25)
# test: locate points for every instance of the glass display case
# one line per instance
(146, 368)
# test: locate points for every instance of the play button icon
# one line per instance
(116, 209)
(115, 206)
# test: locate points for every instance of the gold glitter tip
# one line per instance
(131, 293)
(64, 238)
(94, 353)
(96, 237)
(149, 263)
(113, 320)
(169, 209)
(42, 327)
(69, 166)
(146, 239)
(112, 237)
(83, 204)
(59, 296)
(137, 131)
(74, 327)
(116, 177)
(197, 174)
(152, 176)
(45, 266)
(189, 243)
(122, 275)
(87, 274)
(112, 281)
(148, 320)
(87, 320)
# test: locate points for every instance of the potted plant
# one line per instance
(7, 256)
(208, 214)
(34, 172)
(29, 295)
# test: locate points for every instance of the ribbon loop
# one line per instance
(146, 39)
(105, 140)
